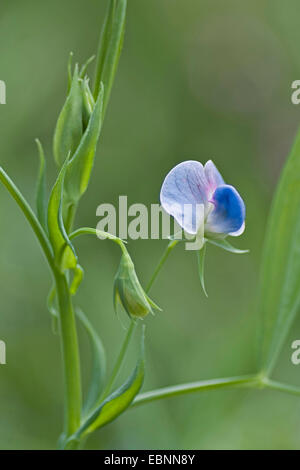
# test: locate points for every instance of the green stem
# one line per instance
(161, 262)
(253, 381)
(93, 231)
(280, 387)
(167, 392)
(67, 321)
(103, 45)
(70, 217)
(30, 216)
(110, 46)
(70, 354)
(120, 359)
(132, 326)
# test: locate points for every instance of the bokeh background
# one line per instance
(198, 79)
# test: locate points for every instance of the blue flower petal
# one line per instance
(183, 192)
(238, 232)
(229, 211)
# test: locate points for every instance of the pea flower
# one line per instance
(201, 203)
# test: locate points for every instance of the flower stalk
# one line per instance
(70, 355)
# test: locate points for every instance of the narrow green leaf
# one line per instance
(110, 48)
(280, 271)
(70, 74)
(64, 252)
(68, 131)
(201, 259)
(225, 245)
(116, 403)
(85, 66)
(98, 368)
(103, 45)
(41, 196)
(80, 166)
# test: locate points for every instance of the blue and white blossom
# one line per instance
(201, 202)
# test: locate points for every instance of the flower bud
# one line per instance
(129, 292)
(81, 164)
(68, 131)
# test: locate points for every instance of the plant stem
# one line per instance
(161, 262)
(110, 47)
(30, 216)
(99, 233)
(70, 217)
(120, 359)
(69, 341)
(132, 326)
(246, 381)
(280, 387)
(70, 355)
(167, 392)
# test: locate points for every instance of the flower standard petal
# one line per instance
(183, 189)
(213, 177)
(228, 215)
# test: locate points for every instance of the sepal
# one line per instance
(225, 245)
(201, 259)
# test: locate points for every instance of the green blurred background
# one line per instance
(198, 79)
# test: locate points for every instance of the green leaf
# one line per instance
(201, 259)
(280, 272)
(41, 196)
(70, 75)
(98, 367)
(68, 131)
(65, 257)
(225, 245)
(110, 48)
(116, 403)
(103, 45)
(85, 66)
(80, 166)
